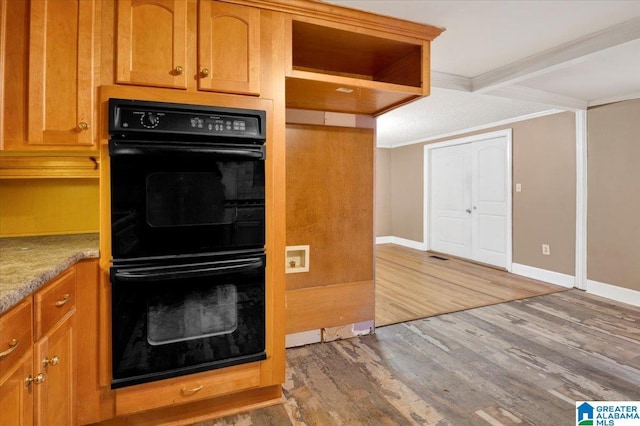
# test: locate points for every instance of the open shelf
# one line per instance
(334, 51)
(353, 70)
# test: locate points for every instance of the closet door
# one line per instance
(489, 201)
(451, 200)
(470, 201)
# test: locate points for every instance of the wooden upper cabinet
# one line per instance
(60, 84)
(152, 43)
(229, 48)
(155, 39)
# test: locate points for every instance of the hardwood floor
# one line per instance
(410, 284)
(521, 362)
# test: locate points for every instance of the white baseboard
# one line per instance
(551, 277)
(619, 294)
(418, 245)
(383, 240)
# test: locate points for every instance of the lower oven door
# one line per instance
(185, 317)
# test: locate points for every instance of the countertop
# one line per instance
(27, 263)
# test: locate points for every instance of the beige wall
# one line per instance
(613, 237)
(383, 192)
(407, 181)
(544, 212)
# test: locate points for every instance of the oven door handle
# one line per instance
(145, 148)
(174, 272)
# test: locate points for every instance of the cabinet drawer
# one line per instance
(15, 335)
(54, 300)
(185, 389)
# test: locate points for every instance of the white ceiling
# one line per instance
(499, 60)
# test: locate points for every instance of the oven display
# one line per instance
(195, 123)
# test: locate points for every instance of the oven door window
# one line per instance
(178, 316)
(170, 320)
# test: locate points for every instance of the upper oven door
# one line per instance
(168, 199)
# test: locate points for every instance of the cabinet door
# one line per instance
(229, 48)
(16, 397)
(61, 73)
(151, 43)
(55, 397)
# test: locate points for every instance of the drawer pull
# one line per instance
(53, 361)
(13, 345)
(37, 380)
(65, 299)
(187, 392)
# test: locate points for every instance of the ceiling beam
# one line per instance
(523, 93)
(558, 57)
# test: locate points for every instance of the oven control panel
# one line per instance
(153, 118)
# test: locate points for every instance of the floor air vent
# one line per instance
(438, 257)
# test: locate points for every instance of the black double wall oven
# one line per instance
(187, 237)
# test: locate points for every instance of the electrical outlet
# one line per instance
(546, 250)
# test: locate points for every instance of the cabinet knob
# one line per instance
(83, 126)
(13, 345)
(53, 361)
(37, 380)
(178, 70)
(205, 72)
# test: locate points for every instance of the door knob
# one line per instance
(468, 211)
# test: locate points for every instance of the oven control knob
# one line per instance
(150, 120)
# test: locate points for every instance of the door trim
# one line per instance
(427, 185)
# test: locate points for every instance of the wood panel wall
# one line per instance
(330, 208)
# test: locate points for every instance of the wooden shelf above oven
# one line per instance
(344, 68)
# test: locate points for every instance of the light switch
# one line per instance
(518, 187)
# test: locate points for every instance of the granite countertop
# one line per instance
(27, 263)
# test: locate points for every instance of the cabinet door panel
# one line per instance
(61, 73)
(229, 48)
(55, 397)
(151, 44)
(16, 399)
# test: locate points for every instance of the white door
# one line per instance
(470, 200)
(489, 201)
(451, 200)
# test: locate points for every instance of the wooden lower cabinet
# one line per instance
(55, 358)
(38, 379)
(185, 389)
(16, 398)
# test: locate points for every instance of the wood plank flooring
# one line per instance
(523, 362)
(410, 284)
